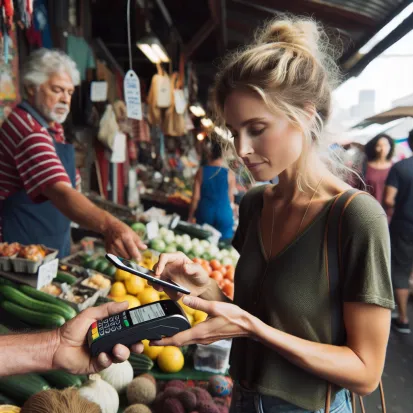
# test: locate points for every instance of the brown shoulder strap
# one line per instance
(333, 259)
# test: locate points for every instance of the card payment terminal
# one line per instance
(151, 321)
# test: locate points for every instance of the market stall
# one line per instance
(38, 291)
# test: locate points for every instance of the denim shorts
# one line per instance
(247, 401)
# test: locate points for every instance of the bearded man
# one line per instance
(38, 199)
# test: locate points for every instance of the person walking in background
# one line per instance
(213, 195)
(398, 202)
(379, 152)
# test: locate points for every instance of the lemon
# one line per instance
(151, 351)
(134, 285)
(148, 295)
(147, 254)
(119, 299)
(121, 275)
(171, 360)
(132, 300)
(200, 316)
(118, 289)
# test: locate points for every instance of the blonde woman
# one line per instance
(275, 98)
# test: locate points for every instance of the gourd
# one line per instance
(119, 375)
(100, 392)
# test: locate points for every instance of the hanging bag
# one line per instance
(333, 259)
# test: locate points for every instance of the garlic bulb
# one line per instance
(119, 375)
(102, 393)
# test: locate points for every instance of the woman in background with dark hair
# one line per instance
(379, 152)
(213, 195)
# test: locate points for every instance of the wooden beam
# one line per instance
(329, 14)
(218, 10)
(202, 34)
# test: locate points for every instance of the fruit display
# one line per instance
(97, 281)
(9, 250)
(167, 241)
(32, 252)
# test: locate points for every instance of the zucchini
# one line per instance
(140, 362)
(47, 298)
(21, 388)
(61, 380)
(31, 317)
(65, 277)
(18, 297)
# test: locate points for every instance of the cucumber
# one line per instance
(47, 298)
(21, 388)
(93, 264)
(65, 277)
(3, 281)
(31, 317)
(102, 266)
(18, 297)
(110, 271)
(140, 362)
(61, 380)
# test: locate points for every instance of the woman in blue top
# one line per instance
(214, 194)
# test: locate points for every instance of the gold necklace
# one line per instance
(302, 220)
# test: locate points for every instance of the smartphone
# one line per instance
(142, 272)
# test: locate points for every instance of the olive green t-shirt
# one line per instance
(294, 297)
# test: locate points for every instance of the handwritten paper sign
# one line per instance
(132, 91)
(47, 272)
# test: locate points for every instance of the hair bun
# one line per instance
(300, 32)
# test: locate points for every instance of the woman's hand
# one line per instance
(179, 268)
(225, 321)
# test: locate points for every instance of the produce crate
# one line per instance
(5, 263)
(23, 265)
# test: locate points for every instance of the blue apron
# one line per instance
(29, 223)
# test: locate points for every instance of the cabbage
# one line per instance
(185, 247)
(227, 261)
(224, 253)
(234, 253)
(171, 248)
(163, 231)
(179, 239)
(197, 250)
(186, 238)
(169, 237)
(196, 241)
(205, 244)
(158, 244)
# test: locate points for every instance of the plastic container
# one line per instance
(5, 263)
(23, 265)
(90, 296)
(213, 358)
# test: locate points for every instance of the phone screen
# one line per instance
(150, 273)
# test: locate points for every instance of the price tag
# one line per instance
(47, 272)
(99, 91)
(132, 91)
(152, 229)
(180, 101)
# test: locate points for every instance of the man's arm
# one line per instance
(119, 238)
(196, 195)
(27, 352)
(61, 349)
(389, 199)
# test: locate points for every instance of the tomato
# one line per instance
(216, 275)
(215, 265)
(197, 260)
(230, 274)
(228, 290)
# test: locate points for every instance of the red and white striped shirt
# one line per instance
(28, 158)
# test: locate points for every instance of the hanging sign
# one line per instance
(132, 91)
(180, 101)
(99, 91)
